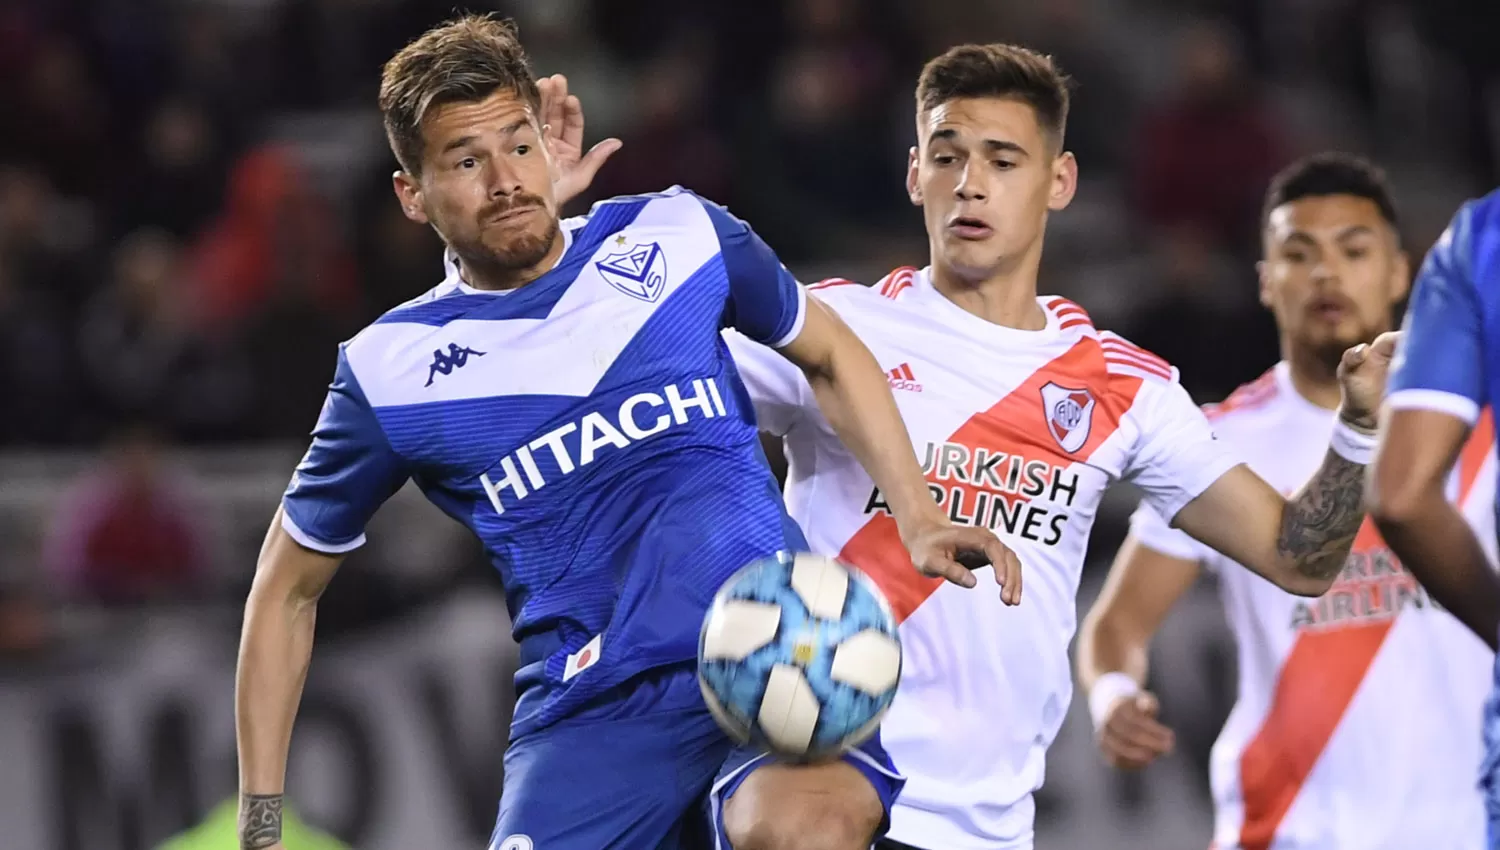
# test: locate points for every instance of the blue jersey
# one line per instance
(1449, 357)
(590, 429)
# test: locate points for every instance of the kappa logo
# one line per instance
(444, 363)
(639, 271)
(1070, 415)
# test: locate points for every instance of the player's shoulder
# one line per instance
(1471, 237)
(673, 209)
(885, 293)
(1121, 356)
(1250, 403)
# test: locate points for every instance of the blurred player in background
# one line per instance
(1357, 717)
(1447, 375)
(1024, 413)
(565, 394)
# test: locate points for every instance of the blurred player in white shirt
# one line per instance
(1357, 721)
(1024, 414)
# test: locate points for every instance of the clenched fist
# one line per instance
(1362, 374)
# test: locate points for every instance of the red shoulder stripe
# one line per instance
(1115, 345)
(896, 281)
(1249, 396)
(828, 283)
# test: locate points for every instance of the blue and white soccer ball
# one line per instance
(799, 655)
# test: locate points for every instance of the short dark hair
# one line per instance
(465, 59)
(1331, 173)
(999, 70)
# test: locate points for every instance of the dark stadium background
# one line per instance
(195, 207)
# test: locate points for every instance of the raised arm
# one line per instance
(1300, 544)
(767, 305)
(275, 650)
(1437, 391)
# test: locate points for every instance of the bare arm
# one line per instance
(275, 650)
(1115, 638)
(1142, 587)
(1426, 531)
(1298, 544)
(855, 398)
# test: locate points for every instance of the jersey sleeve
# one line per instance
(349, 471)
(1177, 456)
(776, 386)
(766, 303)
(1439, 364)
(1153, 532)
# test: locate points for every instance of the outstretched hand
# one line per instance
(562, 120)
(953, 552)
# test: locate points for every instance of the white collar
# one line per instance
(453, 275)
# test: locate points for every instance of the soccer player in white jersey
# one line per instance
(565, 393)
(1357, 721)
(1024, 413)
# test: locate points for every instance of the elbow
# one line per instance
(1295, 581)
(1396, 504)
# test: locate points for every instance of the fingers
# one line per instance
(1385, 344)
(554, 92)
(1132, 737)
(973, 548)
(947, 568)
(1123, 752)
(1007, 571)
(572, 120)
(1353, 357)
(595, 158)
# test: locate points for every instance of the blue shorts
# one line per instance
(1489, 773)
(639, 781)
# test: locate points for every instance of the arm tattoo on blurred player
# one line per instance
(1320, 522)
(260, 820)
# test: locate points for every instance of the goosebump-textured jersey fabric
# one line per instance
(589, 427)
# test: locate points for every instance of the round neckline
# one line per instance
(922, 283)
(1283, 373)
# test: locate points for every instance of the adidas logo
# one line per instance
(901, 378)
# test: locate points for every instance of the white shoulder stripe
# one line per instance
(1457, 406)
(307, 541)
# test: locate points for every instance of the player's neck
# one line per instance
(505, 279)
(1314, 378)
(1005, 297)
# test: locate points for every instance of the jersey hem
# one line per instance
(1199, 486)
(1154, 534)
(307, 541)
(932, 829)
(1439, 401)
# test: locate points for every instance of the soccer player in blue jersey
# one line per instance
(565, 394)
(1447, 369)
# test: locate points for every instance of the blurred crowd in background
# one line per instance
(195, 199)
(195, 208)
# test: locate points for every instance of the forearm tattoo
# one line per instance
(1319, 525)
(260, 820)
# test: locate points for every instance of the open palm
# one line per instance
(562, 119)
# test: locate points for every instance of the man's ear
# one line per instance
(409, 194)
